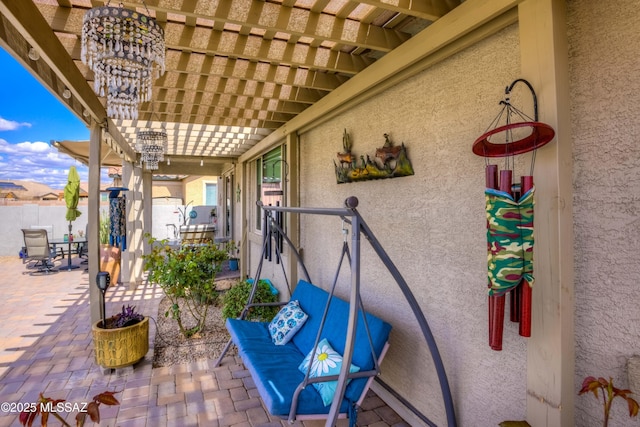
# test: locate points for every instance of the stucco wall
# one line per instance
(167, 189)
(194, 188)
(604, 40)
(432, 225)
(24, 216)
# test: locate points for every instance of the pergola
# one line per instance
(240, 76)
(243, 76)
(236, 70)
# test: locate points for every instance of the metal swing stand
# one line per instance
(358, 228)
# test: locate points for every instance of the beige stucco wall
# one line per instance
(432, 225)
(194, 188)
(604, 42)
(170, 189)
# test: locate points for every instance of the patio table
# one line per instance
(68, 242)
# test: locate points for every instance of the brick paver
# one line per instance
(46, 346)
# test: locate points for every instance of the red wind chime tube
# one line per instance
(526, 184)
(515, 306)
(515, 295)
(491, 180)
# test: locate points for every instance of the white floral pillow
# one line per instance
(326, 362)
(287, 322)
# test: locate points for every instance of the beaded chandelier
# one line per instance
(151, 145)
(124, 49)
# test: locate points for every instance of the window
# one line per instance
(269, 181)
(210, 194)
(229, 196)
(258, 193)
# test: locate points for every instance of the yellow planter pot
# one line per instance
(120, 347)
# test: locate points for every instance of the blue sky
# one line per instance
(30, 117)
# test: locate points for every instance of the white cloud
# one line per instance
(34, 147)
(11, 125)
(39, 162)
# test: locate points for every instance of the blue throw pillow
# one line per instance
(326, 362)
(287, 322)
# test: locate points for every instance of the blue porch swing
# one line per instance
(342, 331)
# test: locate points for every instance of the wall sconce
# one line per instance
(201, 162)
(34, 54)
(168, 161)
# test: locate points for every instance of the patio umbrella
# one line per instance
(71, 197)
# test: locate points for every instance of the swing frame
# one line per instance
(350, 215)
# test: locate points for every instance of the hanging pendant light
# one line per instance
(151, 145)
(126, 52)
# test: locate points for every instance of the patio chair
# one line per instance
(83, 248)
(37, 243)
(59, 252)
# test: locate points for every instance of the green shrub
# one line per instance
(104, 228)
(187, 276)
(236, 298)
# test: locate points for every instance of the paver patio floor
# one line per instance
(46, 346)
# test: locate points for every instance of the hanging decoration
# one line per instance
(125, 50)
(510, 214)
(390, 161)
(117, 217)
(151, 145)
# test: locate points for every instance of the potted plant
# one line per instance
(187, 276)
(109, 255)
(123, 340)
(103, 228)
(232, 252)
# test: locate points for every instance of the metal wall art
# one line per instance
(390, 161)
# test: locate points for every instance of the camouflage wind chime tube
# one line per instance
(509, 251)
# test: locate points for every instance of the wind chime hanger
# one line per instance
(541, 133)
(507, 92)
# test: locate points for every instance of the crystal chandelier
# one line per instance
(124, 49)
(151, 145)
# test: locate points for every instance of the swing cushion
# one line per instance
(274, 368)
(287, 322)
(325, 362)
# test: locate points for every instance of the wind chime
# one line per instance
(509, 211)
